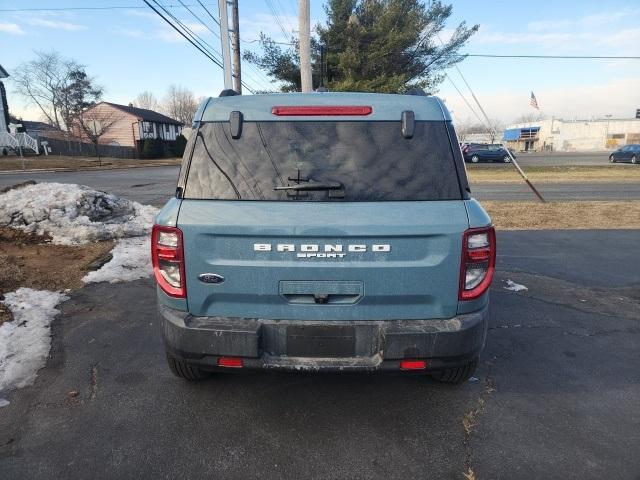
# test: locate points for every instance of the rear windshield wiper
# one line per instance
(312, 186)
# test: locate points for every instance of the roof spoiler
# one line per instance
(228, 93)
(417, 91)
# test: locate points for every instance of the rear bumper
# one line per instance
(293, 344)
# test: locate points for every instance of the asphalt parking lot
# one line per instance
(556, 394)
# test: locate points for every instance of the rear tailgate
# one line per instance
(412, 274)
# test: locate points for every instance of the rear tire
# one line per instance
(186, 371)
(506, 159)
(611, 159)
(634, 160)
(456, 375)
(475, 159)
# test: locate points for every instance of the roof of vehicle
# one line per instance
(384, 106)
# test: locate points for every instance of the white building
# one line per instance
(573, 135)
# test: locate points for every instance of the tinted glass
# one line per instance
(372, 160)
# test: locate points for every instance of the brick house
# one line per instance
(131, 125)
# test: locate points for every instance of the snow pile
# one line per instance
(131, 261)
(514, 287)
(74, 214)
(25, 342)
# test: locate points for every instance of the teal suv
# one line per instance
(323, 232)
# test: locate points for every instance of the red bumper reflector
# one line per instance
(230, 362)
(320, 111)
(413, 364)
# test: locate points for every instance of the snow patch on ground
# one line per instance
(514, 287)
(25, 342)
(74, 214)
(131, 261)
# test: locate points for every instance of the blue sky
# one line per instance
(130, 50)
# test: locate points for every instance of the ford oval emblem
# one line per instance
(210, 278)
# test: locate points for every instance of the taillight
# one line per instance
(321, 110)
(167, 256)
(230, 362)
(478, 262)
(413, 364)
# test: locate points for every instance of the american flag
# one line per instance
(534, 102)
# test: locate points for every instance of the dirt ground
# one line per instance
(564, 215)
(31, 261)
(81, 163)
(563, 174)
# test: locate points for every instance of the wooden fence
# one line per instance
(74, 147)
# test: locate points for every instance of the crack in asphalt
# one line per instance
(470, 421)
(631, 331)
(93, 388)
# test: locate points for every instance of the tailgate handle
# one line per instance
(321, 292)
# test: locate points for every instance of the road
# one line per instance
(151, 185)
(557, 191)
(559, 158)
(556, 395)
(155, 184)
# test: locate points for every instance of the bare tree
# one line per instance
(42, 82)
(493, 130)
(464, 129)
(147, 100)
(530, 118)
(180, 104)
(95, 122)
(496, 129)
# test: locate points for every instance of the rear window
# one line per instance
(370, 161)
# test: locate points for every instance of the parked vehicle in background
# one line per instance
(486, 152)
(628, 153)
(323, 232)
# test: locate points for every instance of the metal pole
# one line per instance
(322, 69)
(224, 39)
(235, 44)
(304, 25)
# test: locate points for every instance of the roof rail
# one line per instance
(228, 93)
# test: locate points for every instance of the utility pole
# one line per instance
(235, 45)
(304, 25)
(224, 39)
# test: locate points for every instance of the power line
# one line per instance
(255, 40)
(208, 13)
(286, 15)
(198, 19)
(464, 98)
(208, 55)
(277, 18)
(203, 43)
(59, 9)
(251, 89)
(193, 42)
(191, 33)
